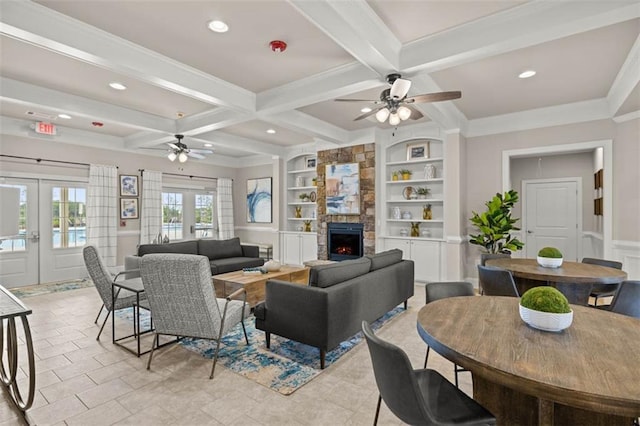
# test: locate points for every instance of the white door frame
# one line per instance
(578, 181)
(606, 145)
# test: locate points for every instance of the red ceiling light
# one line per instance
(97, 124)
(278, 46)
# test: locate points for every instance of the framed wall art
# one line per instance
(342, 183)
(417, 151)
(259, 207)
(310, 162)
(128, 208)
(128, 185)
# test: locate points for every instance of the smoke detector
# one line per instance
(278, 46)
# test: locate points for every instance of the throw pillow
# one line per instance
(385, 258)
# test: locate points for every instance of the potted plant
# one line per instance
(406, 174)
(422, 191)
(549, 257)
(394, 175)
(545, 308)
(495, 224)
(304, 197)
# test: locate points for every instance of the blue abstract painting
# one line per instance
(259, 200)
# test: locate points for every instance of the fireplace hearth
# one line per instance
(344, 241)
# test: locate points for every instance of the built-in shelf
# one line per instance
(421, 161)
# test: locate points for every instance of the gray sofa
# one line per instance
(224, 255)
(339, 296)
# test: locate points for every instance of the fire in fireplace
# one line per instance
(344, 240)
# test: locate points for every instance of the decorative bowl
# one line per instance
(272, 266)
(550, 262)
(546, 321)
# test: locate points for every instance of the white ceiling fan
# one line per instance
(182, 152)
(396, 106)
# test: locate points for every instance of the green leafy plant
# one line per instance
(495, 224)
(405, 172)
(545, 299)
(304, 197)
(550, 252)
(421, 190)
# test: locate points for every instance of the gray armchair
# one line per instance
(183, 303)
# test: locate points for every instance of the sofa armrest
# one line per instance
(131, 262)
(250, 251)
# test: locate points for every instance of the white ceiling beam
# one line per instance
(626, 80)
(229, 141)
(304, 123)
(41, 26)
(28, 94)
(529, 24)
(208, 121)
(356, 28)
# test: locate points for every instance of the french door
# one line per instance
(188, 214)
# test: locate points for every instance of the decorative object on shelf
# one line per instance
(549, 257)
(417, 151)
(415, 229)
(426, 212)
(394, 175)
(298, 211)
(165, 240)
(405, 173)
(425, 233)
(128, 185)
(545, 308)
(259, 200)
(272, 266)
(495, 225)
(128, 208)
(406, 215)
(407, 192)
(307, 226)
(314, 181)
(299, 228)
(300, 181)
(310, 162)
(422, 192)
(342, 188)
(313, 214)
(404, 232)
(429, 171)
(304, 197)
(312, 197)
(396, 213)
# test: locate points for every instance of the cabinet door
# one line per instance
(291, 249)
(394, 243)
(426, 256)
(309, 247)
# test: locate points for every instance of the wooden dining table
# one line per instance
(587, 374)
(573, 279)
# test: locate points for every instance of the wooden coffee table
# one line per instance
(254, 284)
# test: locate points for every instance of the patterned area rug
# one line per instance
(54, 287)
(284, 368)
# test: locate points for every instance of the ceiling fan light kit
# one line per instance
(180, 151)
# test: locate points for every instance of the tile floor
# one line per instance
(81, 381)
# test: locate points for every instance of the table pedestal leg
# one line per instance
(8, 375)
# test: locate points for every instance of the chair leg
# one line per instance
(426, 358)
(103, 324)
(455, 373)
(99, 312)
(406, 304)
(153, 346)
(375, 420)
(215, 358)
(244, 330)
(595, 302)
(267, 339)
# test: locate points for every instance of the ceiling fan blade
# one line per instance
(415, 114)
(201, 151)
(195, 155)
(435, 97)
(355, 100)
(400, 88)
(173, 145)
(368, 114)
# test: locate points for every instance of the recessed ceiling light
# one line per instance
(208, 145)
(365, 109)
(527, 74)
(218, 27)
(117, 86)
(271, 131)
(65, 116)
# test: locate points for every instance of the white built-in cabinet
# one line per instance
(299, 247)
(399, 197)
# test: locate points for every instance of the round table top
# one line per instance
(573, 272)
(594, 364)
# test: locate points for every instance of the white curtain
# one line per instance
(102, 211)
(151, 208)
(225, 208)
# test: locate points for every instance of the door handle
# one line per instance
(529, 231)
(35, 236)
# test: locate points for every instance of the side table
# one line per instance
(134, 286)
(11, 308)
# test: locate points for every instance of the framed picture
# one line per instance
(128, 208)
(342, 182)
(259, 200)
(417, 151)
(310, 162)
(128, 185)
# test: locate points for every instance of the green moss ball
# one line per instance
(545, 299)
(551, 252)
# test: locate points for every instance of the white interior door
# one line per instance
(20, 253)
(552, 216)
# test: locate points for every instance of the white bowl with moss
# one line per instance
(545, 308)
(549, 257)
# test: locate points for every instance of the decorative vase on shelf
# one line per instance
(426, 212)
(300, 181)
(415, 229)
(404, 232)
(307, 226)
(298, 212)
(396, 213)
(406, 215)
(429, 171)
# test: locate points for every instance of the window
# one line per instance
(69, 218)
(18, 242)
(172, 215)
(204, 216)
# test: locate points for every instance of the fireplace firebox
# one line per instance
(345, 241)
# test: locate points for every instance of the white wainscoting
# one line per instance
(628, 252)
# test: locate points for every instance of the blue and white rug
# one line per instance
(53, 287)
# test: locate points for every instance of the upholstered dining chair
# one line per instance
(627, 299)
(418, 397)
(603, 290)
(183, 303)
(103, 279)
(441, 290)
(496, 282)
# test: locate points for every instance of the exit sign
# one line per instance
(45, 128)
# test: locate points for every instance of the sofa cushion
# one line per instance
(185, 247)
(235, 264)
(220, 249)
(385, 258)
(327, 275)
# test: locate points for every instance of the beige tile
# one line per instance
(154, 415)
(105, 414)
(56, 412)
(51, 363)
(77, 368)
(227, 409)
(104, 393)
(66, 337)
(53, 350)
(67, 388)
(110, 372)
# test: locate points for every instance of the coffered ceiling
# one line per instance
(59, 56)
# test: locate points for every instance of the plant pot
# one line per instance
(550, 262)
(546, 321)
(406, 176)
